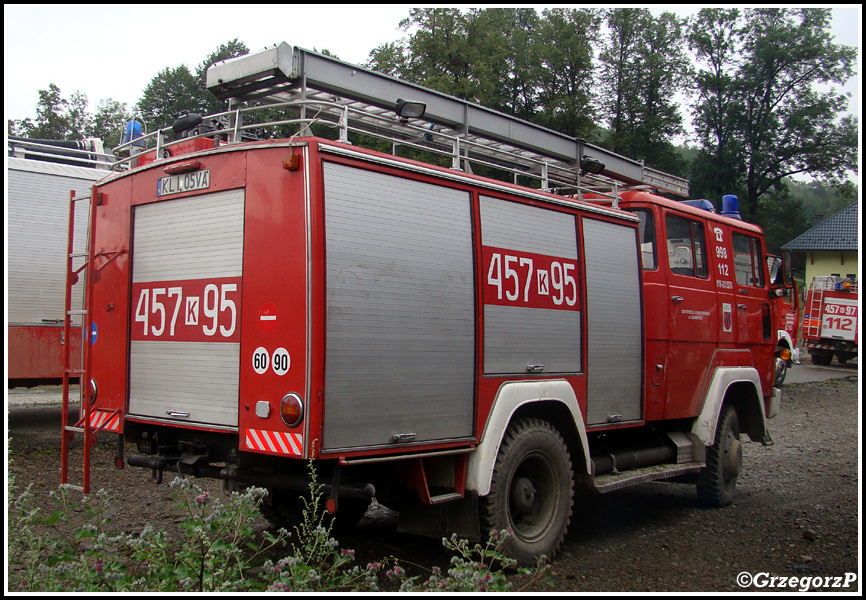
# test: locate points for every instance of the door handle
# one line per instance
(677, 298)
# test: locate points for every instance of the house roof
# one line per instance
(838, 232)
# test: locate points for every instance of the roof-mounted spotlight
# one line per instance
(590, 165)
(406, 109)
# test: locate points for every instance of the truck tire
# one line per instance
(821, 357)
(283, 508)
(531, 492)
(286, 509)
(717, 482)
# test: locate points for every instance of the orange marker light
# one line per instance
(291, 410)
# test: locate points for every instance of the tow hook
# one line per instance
(156, 465)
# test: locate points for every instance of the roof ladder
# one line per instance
(448, 126)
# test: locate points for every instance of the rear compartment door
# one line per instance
(400, 345)
(614, 324)
(187, 263)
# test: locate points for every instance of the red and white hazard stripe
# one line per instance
(275, 441)
(104, 421)
(818, 346)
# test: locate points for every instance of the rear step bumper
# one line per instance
(299, 483)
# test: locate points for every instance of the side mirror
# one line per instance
(774, 265)
(787, 269)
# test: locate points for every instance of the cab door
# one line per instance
(754, 314)
(693, 313)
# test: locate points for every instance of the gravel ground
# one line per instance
(796, 514)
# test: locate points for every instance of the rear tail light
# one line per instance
(292, 410)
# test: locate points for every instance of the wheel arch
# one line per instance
(739, 387)
(551, 400)
(785, 341)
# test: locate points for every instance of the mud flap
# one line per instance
(437, 520)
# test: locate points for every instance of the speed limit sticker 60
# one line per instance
(261, 360)
(279, 360)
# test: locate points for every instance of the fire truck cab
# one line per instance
(466, 350)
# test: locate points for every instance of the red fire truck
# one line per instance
(830, 320)
(466, 350)
(788, 322)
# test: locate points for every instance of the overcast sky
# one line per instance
(113, 51)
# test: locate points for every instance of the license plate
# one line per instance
(185, 182)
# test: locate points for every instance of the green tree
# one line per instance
(172, 92)
(789, 126)
(506, 42)
(78, 120)
(665, 73)
(231, 49)
(56, 117)
(390, 58)
(108, 122)
(720, 161)
(777, 107)
(565, 81)
(620, 73)
(644, 67)
(782, 215)
(51, 120)
(444, 53)
(175, 91)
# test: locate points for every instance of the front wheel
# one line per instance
(821, 358)
(717, 482)
(531, 492)
(781, 371)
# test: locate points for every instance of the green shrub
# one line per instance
(218, 550)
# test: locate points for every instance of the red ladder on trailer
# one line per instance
(813, 323)
(87, 395)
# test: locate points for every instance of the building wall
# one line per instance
(833, 262)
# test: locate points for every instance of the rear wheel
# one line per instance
(531, 492)
(717, 482)
(844, 357)
(285, 508)
(821, 357)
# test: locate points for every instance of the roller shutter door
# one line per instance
(184, 356)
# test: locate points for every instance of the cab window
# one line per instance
(686, 247)
(647, 240)
(748, 260)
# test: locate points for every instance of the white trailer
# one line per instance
(37, 215)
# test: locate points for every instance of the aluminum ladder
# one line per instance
(283, 73)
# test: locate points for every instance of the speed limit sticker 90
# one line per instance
(279, 361)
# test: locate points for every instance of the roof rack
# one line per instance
(322, 89)
(79, 153)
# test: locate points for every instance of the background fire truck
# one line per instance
(466, 350)
(830, 320)
(40, 174)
